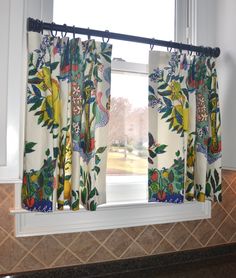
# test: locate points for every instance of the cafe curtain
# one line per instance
(184, 128)
(67, 112)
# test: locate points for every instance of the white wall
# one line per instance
(13, 62)
(4, 34)
(215, 27)
(226, 39)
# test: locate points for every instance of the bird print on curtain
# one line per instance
(67, 112)
(184, 128)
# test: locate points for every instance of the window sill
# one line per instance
(109, 216)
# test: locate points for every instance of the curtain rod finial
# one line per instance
(34, 25)
(216, 52)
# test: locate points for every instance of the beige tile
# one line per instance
(29, 242)
(178, 235)
(233, 185)
(66, 239)
(3, 236)
(233, 214)
(101, 235)
(191, 243)
(164, 247)
(218, 214)
(2, 270)
(118, 242)
(9, 188)
(149, 239)
(6, 220)
(225, 184)
(229, 199)
(229, 176)
(134, 232)
(216, 240)
(204, 232)
(3, 194)
(10, 254)
(228, 228)
(84, 246)
(47, 250)
(28, 263)
(101, 255)
(134, 250)
(233, 238)
(164, 228)
(66, 259)
(191, 225)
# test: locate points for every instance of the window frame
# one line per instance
(108, 216)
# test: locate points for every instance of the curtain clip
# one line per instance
(73, 31)
(108, 33)
(89, 37)
(169, 48)
(63, 35)
(53, 24)
(152, 44)
(180, 48)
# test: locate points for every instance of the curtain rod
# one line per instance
(37, 25)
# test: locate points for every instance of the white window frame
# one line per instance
(107, 216)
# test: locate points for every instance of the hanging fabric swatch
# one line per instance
(184, 128)
(67, 112)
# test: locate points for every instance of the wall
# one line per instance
(226, 40)
(22, 254)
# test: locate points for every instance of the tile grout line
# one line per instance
(67, 248)
(102, 244)
(134, 240)
(28, 252)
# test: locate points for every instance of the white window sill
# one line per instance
(109, 216)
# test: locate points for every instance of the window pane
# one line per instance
(128, 125)
(151, 18)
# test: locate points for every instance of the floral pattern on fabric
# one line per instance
(184, 115)
(68, 98)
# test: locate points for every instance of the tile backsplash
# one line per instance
(32, 253)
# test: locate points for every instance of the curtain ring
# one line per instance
(52, 24)
(106, 31)
(73, 31)
(169, 48)
(152, 44)
(180, 48)
(89, 37)
(201, 52)
(190, 52)
(63, 36)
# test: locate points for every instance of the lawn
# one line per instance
(131, 165)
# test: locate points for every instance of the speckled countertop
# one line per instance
(218, 261)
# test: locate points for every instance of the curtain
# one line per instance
(184, 128)
(67, 112)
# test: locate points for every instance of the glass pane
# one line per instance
(128, 126)
(151, 18)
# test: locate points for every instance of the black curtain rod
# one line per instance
(38, 26)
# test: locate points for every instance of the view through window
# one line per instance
(128, 127)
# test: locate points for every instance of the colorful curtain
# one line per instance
(67, 112)
(184, 128)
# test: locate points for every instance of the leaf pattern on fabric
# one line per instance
(166, 184)
(68, 100)
(184, 115)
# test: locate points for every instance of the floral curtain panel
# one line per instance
(67, 112)
(184, 128)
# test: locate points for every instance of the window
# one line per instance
(126, 182)
(128, 126)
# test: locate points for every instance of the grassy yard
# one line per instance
(130, 165)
